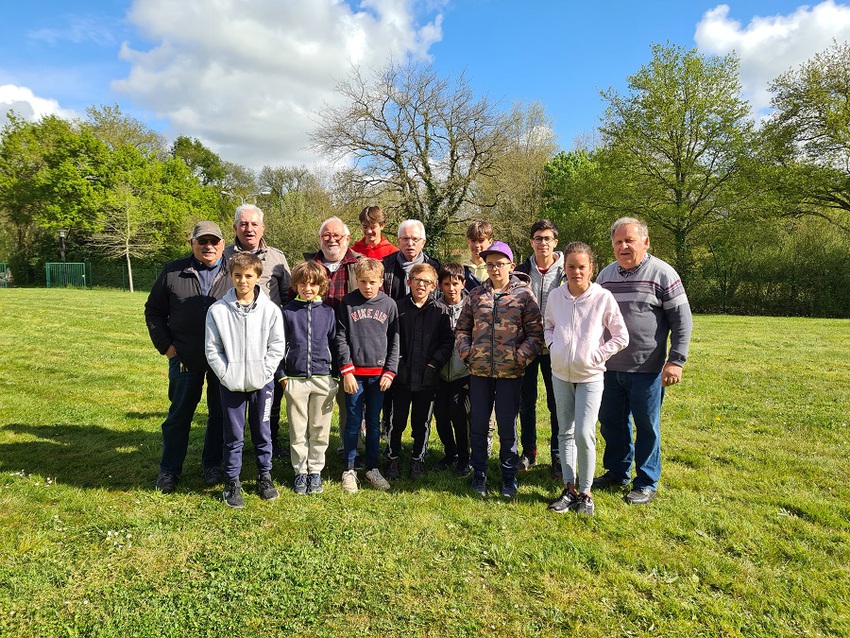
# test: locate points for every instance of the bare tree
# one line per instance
(417, 135)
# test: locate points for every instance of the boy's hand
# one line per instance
(283, 383)
(385, 383)
(349, 383)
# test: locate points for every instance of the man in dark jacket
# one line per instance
(175, 313)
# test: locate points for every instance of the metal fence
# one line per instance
(68, 275)
(5, 275)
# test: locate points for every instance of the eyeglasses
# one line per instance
(498, 266)
(203, 241)
(422, 282)
(331, 237)
(543, 240)
(412, 240)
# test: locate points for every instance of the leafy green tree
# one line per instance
(116, 129)
(674, 144)
(205, 164)
(416, 134)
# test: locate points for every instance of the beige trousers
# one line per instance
(309, 406)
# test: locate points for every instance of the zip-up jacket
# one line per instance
(245, 344)
(176, 309)
(575, 332)
(542, 285)
(455, 368)
(310, 339)
(498, 335)
(427, 341)
(367, 335)
(275, 278)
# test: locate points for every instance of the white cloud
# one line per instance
(770, 45)
(26, 104)
(245, 76)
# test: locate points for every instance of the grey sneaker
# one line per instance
(301, 484)
(479, 483)
(314, 483)
(213, 476)
(377, 481)
(166, 482)
(266, 488)
(233, 493)
(417, 469)
(349, 482)
(565, 502)
(640, 496)
(585, 505)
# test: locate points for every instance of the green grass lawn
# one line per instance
(748, 536)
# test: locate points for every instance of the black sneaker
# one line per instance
(213, 476)
(462, 469)
(266, 488)
(640, 496)
(314, 483)
(525, 463)
(479, 483)
(166, 482)
(444, 463)
(609, 480)
(302, 482)
(557, 470)
(509, 488)
(417, 469)
(585, 505)
(233, 493)
(565, 502)
(393, 468)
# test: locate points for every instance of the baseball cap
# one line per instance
(207, 228)
(498, 247)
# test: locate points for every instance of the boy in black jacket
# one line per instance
(367, 343)
(427, 341)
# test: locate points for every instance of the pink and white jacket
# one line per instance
(583, 333)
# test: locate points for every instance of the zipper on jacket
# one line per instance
(309, 366)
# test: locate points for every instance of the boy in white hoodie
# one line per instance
(578, 314)
(244, 347)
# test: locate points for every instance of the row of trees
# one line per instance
(753, 215)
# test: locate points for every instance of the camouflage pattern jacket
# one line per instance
(498, 335)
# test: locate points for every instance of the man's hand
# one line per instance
(171, 352)
(670, 374)
(349, 383)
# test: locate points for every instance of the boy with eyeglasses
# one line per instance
(499, 332)
(426, 341)
(545, 267)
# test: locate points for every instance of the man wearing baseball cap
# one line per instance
(175, 313)
(499, 332)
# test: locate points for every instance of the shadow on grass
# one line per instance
(91, 456)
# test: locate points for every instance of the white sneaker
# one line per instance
(349, 482)
(377, 481)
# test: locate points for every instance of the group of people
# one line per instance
(390, 336)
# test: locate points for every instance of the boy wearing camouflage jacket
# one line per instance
(499, 332)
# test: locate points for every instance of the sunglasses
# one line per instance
(203, 241)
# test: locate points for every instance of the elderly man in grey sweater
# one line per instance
(655, 307)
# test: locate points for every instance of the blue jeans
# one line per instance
(184, 393)
(528, 407)
(370, 398)
(484, 392)
(632, 397)
(259, 406)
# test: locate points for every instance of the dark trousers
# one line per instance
(484, 393)
(418, 405)
(184, 393)
(528, 407)
(451, 414)
(258, 404)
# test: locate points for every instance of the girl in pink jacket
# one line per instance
(579, 316)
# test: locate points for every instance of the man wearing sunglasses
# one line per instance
(175, 313)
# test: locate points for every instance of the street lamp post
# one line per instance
(63, 233)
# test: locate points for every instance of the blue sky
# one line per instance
(246, 76)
